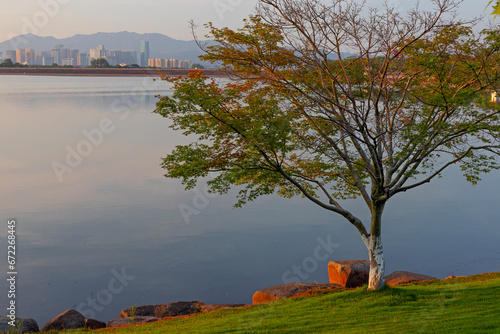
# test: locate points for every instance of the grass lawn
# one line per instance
(460, 305)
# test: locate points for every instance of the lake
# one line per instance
(101, 229)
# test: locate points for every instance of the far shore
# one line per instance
(104, 72)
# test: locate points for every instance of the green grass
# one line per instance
(461, 305)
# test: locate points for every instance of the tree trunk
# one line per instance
(376, 280)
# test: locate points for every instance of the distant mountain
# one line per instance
(161, 46)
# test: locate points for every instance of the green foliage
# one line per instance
(292, 127)
(197, 66)
(131, 319)
(7, 63)
(99, 63)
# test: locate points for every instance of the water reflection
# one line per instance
(115, 210)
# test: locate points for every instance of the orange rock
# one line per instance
(405, 277)
(349, 274)
(288, 290)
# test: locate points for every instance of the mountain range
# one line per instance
(161, 46)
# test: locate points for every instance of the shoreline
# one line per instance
(138, 315)
(104, 72)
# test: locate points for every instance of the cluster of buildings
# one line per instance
(64, 56)
(169, 63)
(58, 55)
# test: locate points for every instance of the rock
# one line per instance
(287, 290)
(404, 277)
(215, 307)
(131, 321)
(70, 319)
(94, 324)
(177, 308)
(141, 311)
(349, 274)
(23, 325)
(163, 310)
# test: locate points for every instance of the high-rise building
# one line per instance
(20, 56)
(144, 53)
(30, 57)
(160, 63)
(119, 57)
(82, 60)
(99, 52)
(11, 54)
(114, 57)
(58, 53)
(129, 57)
(48, 60)
(186, 64)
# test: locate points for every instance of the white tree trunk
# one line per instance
(376, 280)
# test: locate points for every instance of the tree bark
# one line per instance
(376, 281)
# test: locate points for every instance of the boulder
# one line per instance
(131, 321)
(177, 308)
(140, 311)
(70, 319)
(288, 290)
(215, 307)
(405, 277)
(94, 324)
(349, 274)
(163, 310)
(23, 325)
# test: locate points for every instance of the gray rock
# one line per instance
(163, 310)
(131, 321)
(23, 325)
(177, 308)
(94, 324)
(215, 307)
(139, 311)
(70, 319)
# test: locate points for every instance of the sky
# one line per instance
(65, 18)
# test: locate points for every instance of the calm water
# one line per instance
(109, 212)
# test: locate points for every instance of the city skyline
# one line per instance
(65, 56)
(65, 18)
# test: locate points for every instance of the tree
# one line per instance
(197, 67)
(99, 63)
(301, 118)
(7, 63)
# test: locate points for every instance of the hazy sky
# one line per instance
(65, 18)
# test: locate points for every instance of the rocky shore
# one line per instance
(342, 275)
